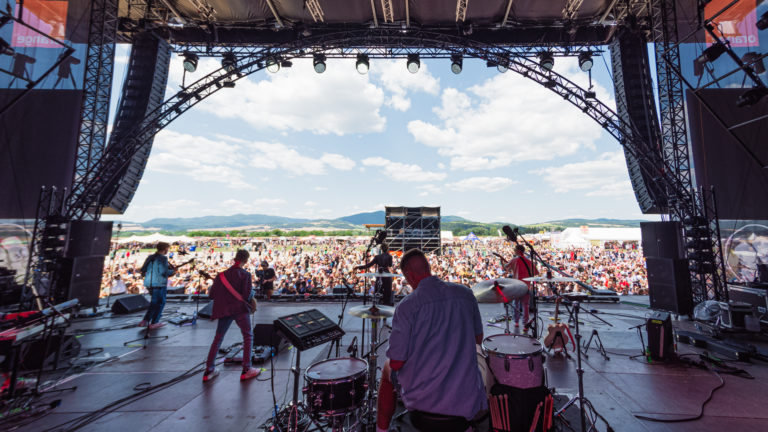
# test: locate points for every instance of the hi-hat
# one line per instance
(379, 275)
(372, 312)
(509, 289)
(544, 279)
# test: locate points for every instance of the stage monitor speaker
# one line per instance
(80, 278)
(662, 239)
(661, 344)
(762, 273)
(265, 335)
(62, 348)
(669, 285)
(130, 304)
(88, 238)
(206, 311)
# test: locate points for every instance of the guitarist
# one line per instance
(520, 268)
(156, 271)
(232, 295)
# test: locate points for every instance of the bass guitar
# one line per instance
(182, 264)
(558, 334)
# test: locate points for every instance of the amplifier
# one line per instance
(756, 297)
(308, 329)
(737, 316)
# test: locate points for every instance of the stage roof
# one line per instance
(271, 21)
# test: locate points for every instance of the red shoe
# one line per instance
(250, 373)
(210, 375)
(156, 325)
(143, 323)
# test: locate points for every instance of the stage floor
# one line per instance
(619, 388)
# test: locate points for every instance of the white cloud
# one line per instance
(395, 78)
(279, 156)
(403, 172)
(321, 188)
(487, 184)
(197, 157)
(605, 176)
(508, 119)
(310, 204)
(339, 101)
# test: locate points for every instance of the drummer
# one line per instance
(432, 354)
(520, 268)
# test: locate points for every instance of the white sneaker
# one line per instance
(250, 373)
(210, 375)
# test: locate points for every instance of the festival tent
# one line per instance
(585, 237)
(155, 238)
(471, 237)
(447, 235)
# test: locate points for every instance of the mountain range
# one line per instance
(250, 222)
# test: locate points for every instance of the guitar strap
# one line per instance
(231, 289)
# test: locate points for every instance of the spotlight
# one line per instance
(456, 63)
(273, 65)
(751, 96)
(190, 61)
(546, 61)
(585, 61)
(362, 65)
(229, 62)
(755, 61)
(318, 61)
(762, 23)
(501, 67)
(413, 63)
(712, 53)
(5, 48)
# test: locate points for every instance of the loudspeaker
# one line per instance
(762, 273)
(130, 304)
(81, 279)
(206, 311)
(88, 238)
(266, 335)
(662, 239)
(669, 285)
(660, 342)
(66, 346)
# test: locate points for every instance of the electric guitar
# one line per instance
(558, 328)
(182, 264)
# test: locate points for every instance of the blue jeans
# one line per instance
(243, 321)
(156, 305)
(523, 303)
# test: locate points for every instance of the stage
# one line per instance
(619, 388)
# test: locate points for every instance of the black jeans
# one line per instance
(428, 422)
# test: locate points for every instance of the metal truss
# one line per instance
(315, 10)
(97, 88)
(685, 203)
(386, 8)
(90, 187)
(427, 51)
(571, 10)
(461, 10)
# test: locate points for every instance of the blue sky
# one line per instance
(482, 145)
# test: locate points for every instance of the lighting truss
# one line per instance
(386, 8)
(109, 167)
(571, 10)
(461, 10)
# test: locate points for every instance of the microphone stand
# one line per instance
(365, 289)
(337, 342)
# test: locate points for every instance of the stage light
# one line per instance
(362, 65)
(762, 23)
(585, 61)
(501, 67)
(229, 62)
(751, 96)
(456, 63)
(546, 61)
(413, 63)
(755, 61)
(712, 53)
(5, 48)
(318, 61)
(286, 64)
(190, 61)
(273, 65)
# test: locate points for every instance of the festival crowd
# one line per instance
(315, 266)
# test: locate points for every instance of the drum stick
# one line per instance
(506, 411)
(498, 412)
(494, 412)
(535, 418)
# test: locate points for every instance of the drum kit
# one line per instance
(341, 393)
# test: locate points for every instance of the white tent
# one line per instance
(155, 238)
(584, 236)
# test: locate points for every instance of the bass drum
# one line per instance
(515, 360)
(336, 386)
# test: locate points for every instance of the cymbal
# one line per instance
(544, 279)
(486, 292)
(372, 312)
(379, 275)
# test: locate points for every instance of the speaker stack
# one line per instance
(669, 282)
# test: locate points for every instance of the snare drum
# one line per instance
(515, 360)
(336, 386)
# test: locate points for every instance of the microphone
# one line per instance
(510, 233)
(353, 347)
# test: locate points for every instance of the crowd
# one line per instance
(316, 266)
